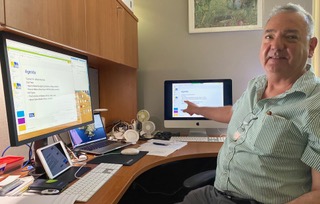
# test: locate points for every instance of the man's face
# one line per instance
(285, 46)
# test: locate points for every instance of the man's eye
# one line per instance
(268, 37)
(292, 37)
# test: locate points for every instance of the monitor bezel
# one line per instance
(227, 86)
(6, 79)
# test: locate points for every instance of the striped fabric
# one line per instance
(272, 143)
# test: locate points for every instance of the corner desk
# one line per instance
(118, 184)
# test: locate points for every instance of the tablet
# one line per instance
(54, 159)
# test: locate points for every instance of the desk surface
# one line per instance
(115, 188)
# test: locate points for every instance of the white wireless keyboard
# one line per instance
(197, 139)
(90, 183)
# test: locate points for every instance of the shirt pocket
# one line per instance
(277, 136)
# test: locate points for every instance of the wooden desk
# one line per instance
(115, 188)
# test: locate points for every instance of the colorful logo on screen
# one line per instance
(14, 64)
(175, 112)
(17, 85)
(21, 121)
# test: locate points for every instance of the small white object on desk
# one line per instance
(100, 110)
(130, 151)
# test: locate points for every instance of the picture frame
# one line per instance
(224, 15)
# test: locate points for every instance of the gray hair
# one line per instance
(290, 7)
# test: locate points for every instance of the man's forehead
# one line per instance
(286, 22)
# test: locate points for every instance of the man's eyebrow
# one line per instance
(295, 31)
(269, 31)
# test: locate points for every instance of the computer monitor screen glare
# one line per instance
(46, 89)
(202, 92)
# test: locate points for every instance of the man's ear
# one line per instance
(312, 46)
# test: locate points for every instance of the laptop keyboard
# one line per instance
(98, 145)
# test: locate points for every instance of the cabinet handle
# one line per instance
(119, 10)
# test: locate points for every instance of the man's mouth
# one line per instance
(276, 57)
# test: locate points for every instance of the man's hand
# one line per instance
(191, 108)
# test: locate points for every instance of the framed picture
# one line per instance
(224, 15)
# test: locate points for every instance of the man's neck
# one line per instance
(278, 85)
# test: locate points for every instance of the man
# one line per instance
(272, 150)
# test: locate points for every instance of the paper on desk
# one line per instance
(161, 150)
(9, 179)
(27, 181)
(39, 199)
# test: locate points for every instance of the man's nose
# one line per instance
(277, 43)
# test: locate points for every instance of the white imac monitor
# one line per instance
(203, 92)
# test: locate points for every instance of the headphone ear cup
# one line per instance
(118, 135)
(119, 129)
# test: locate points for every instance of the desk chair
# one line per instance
(199, 180)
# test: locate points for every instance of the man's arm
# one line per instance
(219, 114)
(313, 197)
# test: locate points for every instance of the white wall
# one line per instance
(168, 51)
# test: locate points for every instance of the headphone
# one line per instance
(119, 129)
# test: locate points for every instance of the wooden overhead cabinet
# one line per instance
(2, 21)
(61, 21)
(128, 37)
(104, 30)
(112, 31)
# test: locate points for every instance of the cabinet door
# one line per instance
(66, 21)
(112, 32)
(128, 38)
(101, 21)
(2, 12)
(27, 15)
(62, 21)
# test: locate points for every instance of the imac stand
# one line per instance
(198, 132)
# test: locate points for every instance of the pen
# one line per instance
(159, 143)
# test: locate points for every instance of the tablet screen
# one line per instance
(54, 159)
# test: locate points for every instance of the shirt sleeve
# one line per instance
(311, 154)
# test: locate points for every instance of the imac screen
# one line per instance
(46, 88)
(202, 92)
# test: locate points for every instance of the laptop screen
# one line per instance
(89, 133)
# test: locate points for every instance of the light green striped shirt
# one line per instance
(272, 143)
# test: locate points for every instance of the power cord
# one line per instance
(75, 174)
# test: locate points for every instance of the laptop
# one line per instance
(93, 138)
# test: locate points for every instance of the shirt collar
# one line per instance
(305, 84)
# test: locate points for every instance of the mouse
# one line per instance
(130, 151)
